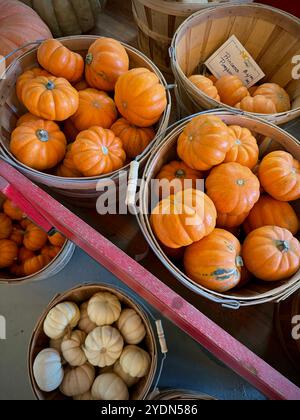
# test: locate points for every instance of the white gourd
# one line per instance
(131, 326)
(110, 387)
(87, 396)
(71, 348)
(104, 309)
(85, 324)
(129, 380)
(103, 346)
(77, 381)
(47, 370)
(62, 317)
(135, 361)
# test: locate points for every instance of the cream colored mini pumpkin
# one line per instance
(110, 387)
(47, 370)
(87, 396)
(77, 381)
(129, 380)
(62, 317)
(135, 361)
(71, 348)
(85, 324)
(131, 326)
(104, 309)
(103, 346)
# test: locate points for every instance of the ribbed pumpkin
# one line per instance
(57, 239)
(50, 251)
(35, 264)
(82, 85)
(68, 169)
(183, 218)
(228, 222)
(257, 105)
(277, 95)
(28, 117)
(272, 253)
(95, 108)
(233, 188)
(98, 151)
(35, 238)
(5, 226)
(12, 211)
(231, 90)
(176, 176)
(60, 61)
(215, 262)
(26, 77)
(106, 61)
(70, 131)
(17, 236)
(245, 148)
(8, 253)
(50, 98)
(140, 97)
(25, 254)
(204, 142)
(279, 174)
(38, 144)
(270, 212)
(206, 86)
(134, 139)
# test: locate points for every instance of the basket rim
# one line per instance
(163, 123)
(144, 221)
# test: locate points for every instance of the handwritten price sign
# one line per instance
(232, 58)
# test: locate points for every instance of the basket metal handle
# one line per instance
(37, 42)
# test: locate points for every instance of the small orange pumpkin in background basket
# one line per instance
(276, 94)
(231, 90)
(206, 85)
(258, 104)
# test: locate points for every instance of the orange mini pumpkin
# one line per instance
(25, 254)
(51, 251)
(60, 61)
(245, 148)
(277, 95)
(204, 142)
(68, 169)
(27, 118)
(206, 85)
(183, 218)
(50, 98)
(35, 264)
(215, 262)
(34, 238)
(27, 76)
(270, 212)
(257, 105)
(8, 253)
(233, 188)
(228, 222)
(5, 226)
(134, 139)
(231, 90)
(82, 85)
(140, 97)
(70, 131)
(279, 174)
(57, 239)
(17, 236)
(12, 211)
(98, 151)
(95, 108)
(271, 253)
(106, 61)
(40, 144)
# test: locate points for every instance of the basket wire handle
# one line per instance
(20, 49)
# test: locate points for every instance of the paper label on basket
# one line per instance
(232, 58)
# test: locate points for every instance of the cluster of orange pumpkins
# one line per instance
(268, 98)
(243, 194)
(70, 100)
(25, 249)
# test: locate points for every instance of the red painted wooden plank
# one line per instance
(226, 348)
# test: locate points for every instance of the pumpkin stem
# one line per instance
(240, 182)
(180, 173)
(105, 150)
(89, 58)
(42, 135)
(50, 85)
(238, 142)
(239, 261)
(283, 246)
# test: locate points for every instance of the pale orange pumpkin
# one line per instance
(231, 90)
(95, 108)
(27, 76)
(245, 148)
(257, 105)
(204, 142)
(206, 86)
(183, 218)
(134, 139)
(277, 95)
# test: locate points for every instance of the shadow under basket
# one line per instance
(78, 295)
(270, 138)
(270, 35)
(80, 191)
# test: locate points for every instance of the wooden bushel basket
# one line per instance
(270, 35)
(78, 295)
(157, 21)
(82, 191)
(256, 292)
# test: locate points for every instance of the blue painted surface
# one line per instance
(188, 365)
